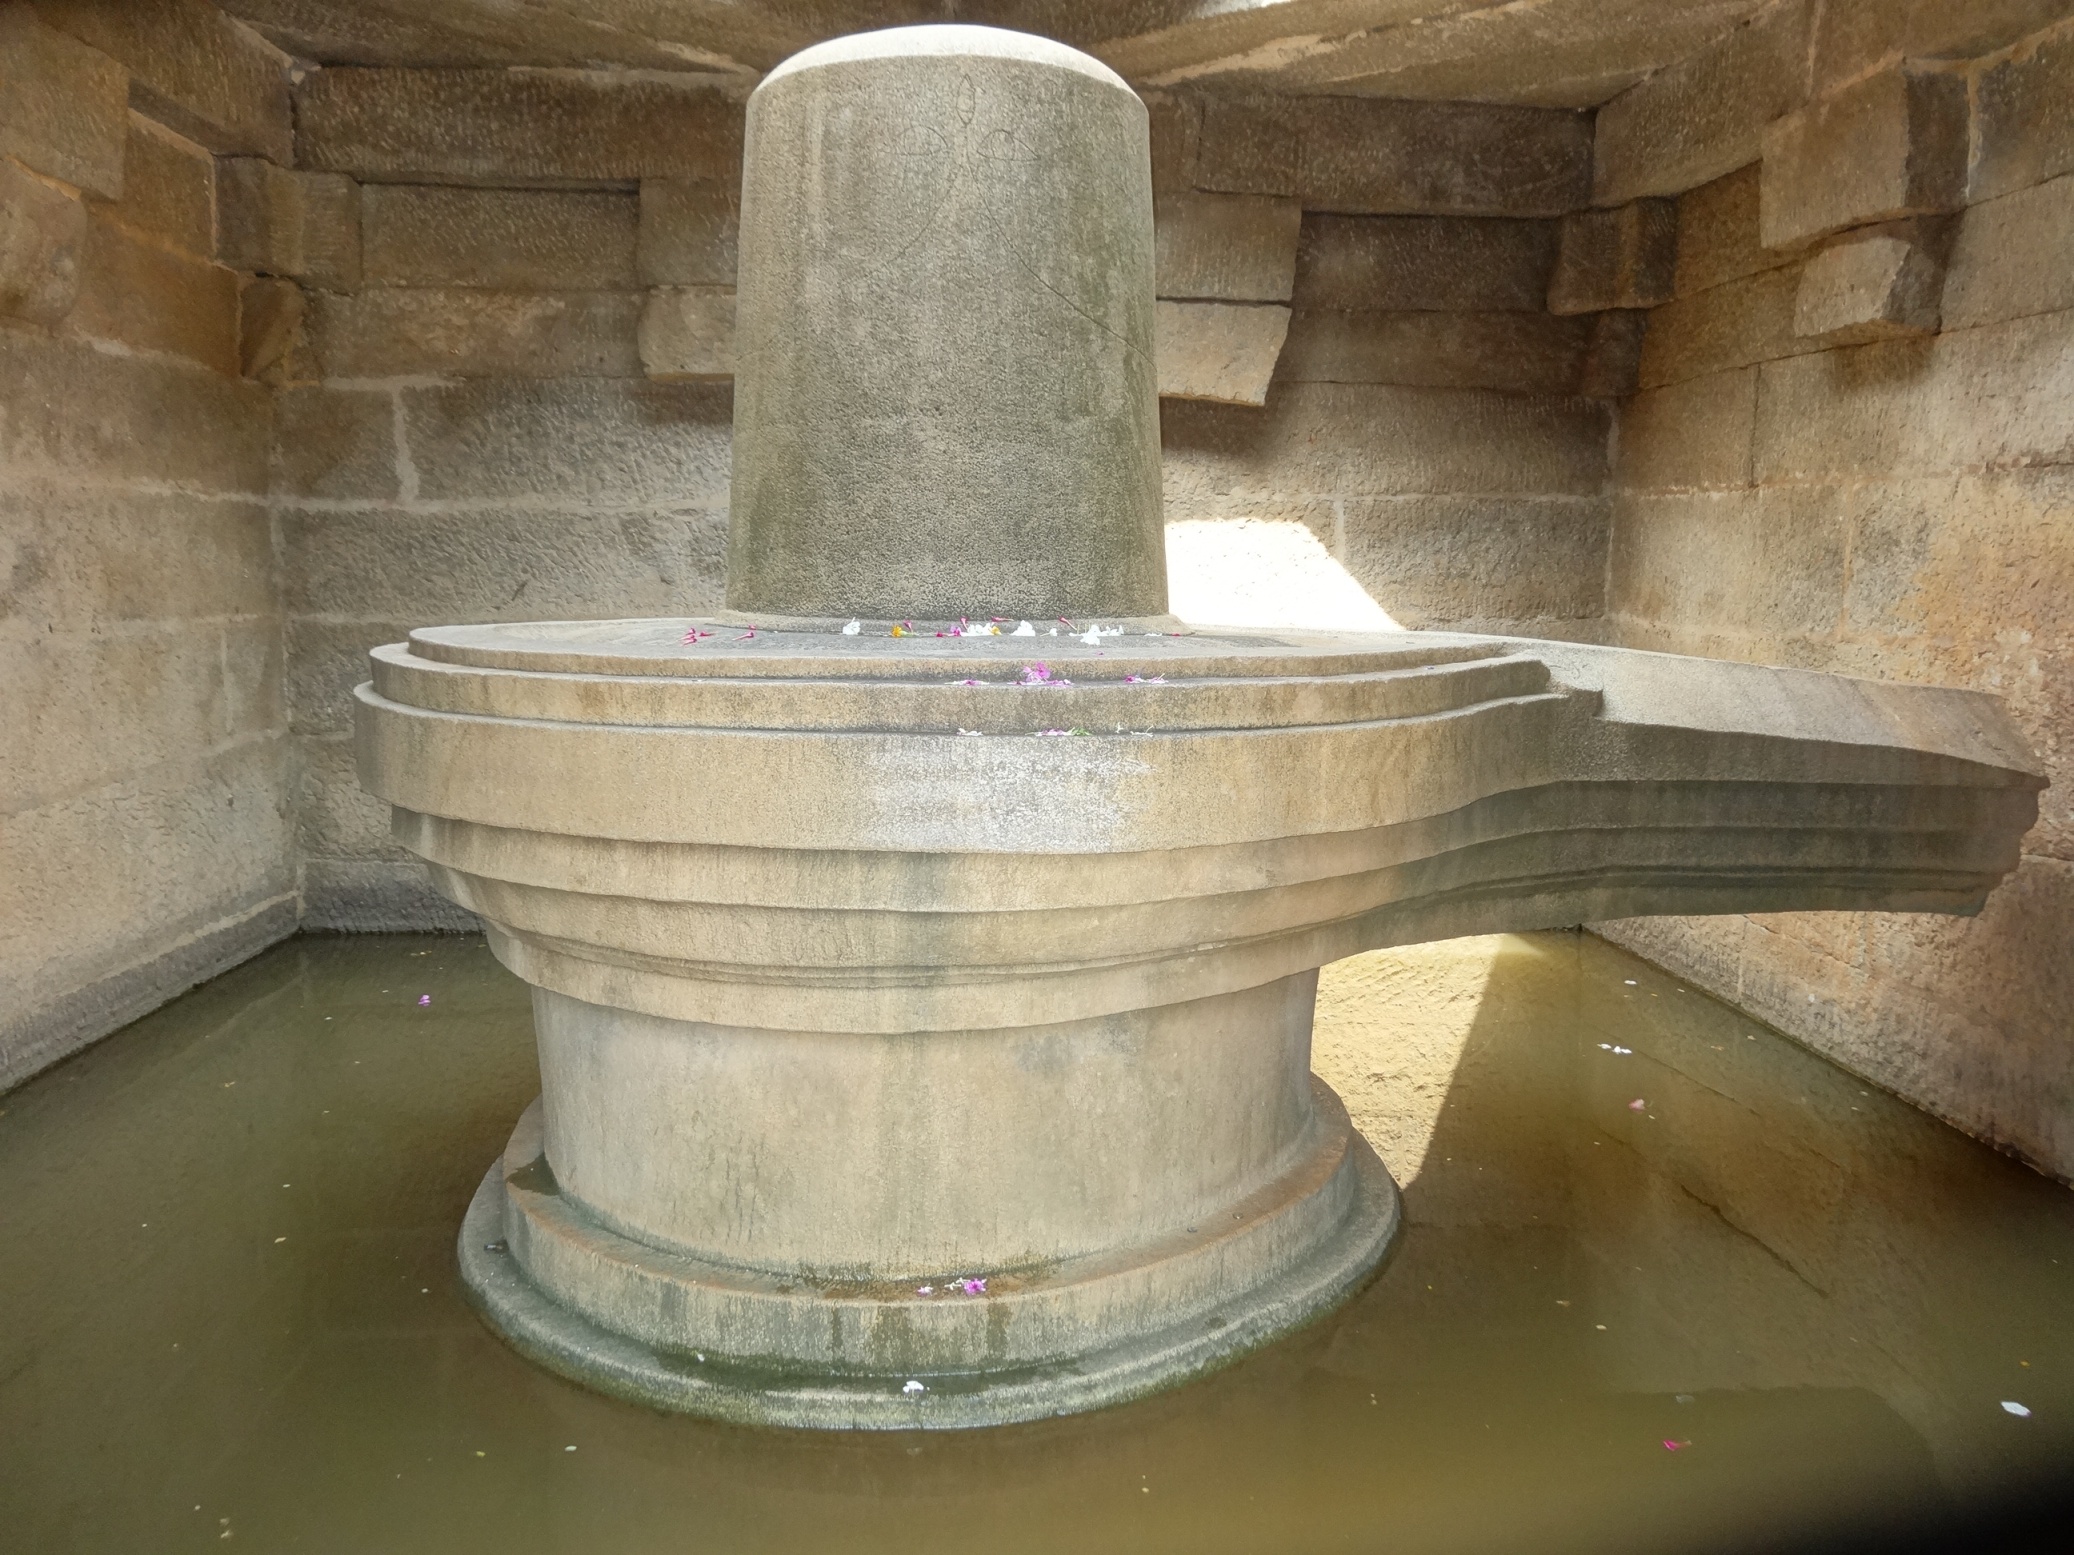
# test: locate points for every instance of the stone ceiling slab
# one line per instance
(1538, 53)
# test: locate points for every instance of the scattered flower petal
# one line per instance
(2011, 1406)
(1637, 1104)
(695, 636)
(972, 683)
(1024, 630)
(1092, 636)
(853, 629)
(912, 1387)
(972, 731)
(1629, 981)
(1047, 734)
(1144, 680)
(979, 1288)
(925, 1290)
(899, 631)
(1671, 1446)
(424, 998)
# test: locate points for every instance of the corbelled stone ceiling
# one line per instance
(1548, 53)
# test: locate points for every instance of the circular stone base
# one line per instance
(720, 1388)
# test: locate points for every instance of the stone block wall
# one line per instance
(145, 817)
(1853, 450)
(1372, 415)
(514, 405)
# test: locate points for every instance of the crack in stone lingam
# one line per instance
(896, 1077)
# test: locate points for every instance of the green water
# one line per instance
(228, 1308)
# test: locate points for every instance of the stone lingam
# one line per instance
(924, 1007)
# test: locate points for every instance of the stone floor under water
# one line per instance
(1667, 1282)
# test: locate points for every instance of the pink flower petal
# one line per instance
(1637, 1104)
(424, 998)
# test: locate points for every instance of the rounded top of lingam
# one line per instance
(946, 39)
(945, 399)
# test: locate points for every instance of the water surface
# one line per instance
(1768, 1302)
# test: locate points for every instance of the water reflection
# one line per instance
(228, 1303)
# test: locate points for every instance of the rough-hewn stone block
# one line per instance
(160, 694)
(2010, 257)
(583, 442)
(1693, 434)
(1958, 1015)
(335, 818)
(98, 417)
(1480, 564)
(2025, 108)
(688, 332)
(42, 246)
(1372, 155)
(1879, 284)
(1225, 247)
(1620, 258)
(1404, 262)
(495, 565)
(334, 443)
(356, 896)
(1527, 352)
(1613, 353)
(134, 293)
(112, 879)
(1176, 127)
(1218, 351)
(64, 108)
(688, 232)
(327, 658)
(1733, 568)
(523, 126)
(391, 332)
(1855, 37)
(1946, 572)
(169, 188)
(192, 67)
(274, 221)
(271, 311)
(1321, 439)
(509, 239)
(1995, 396)
(1700, 118)
(1893, 145)
(1718, 233)
(1732, 325)
(92, 558)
